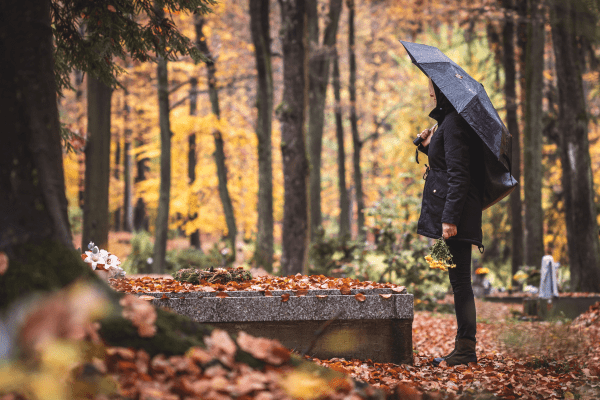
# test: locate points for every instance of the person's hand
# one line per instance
(448, 230)
(426, 136)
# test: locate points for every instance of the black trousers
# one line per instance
(460, 279)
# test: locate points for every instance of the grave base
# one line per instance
(376, 325)
(383, 341)
(566, 307)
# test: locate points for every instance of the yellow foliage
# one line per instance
(393, 105)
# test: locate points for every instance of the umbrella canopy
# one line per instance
(467, 96)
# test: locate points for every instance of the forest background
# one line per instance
(372, 112)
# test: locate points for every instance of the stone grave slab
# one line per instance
(378, 328)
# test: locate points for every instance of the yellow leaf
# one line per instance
(303, 385)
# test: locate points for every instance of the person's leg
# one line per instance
(460, 279)
(464, 304)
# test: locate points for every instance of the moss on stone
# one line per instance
(175, 334)
(45, 267)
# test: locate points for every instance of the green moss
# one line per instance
(45, 267)
(175, 334)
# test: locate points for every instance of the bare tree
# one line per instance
(261, 37)
(291, 113)
(570, 18)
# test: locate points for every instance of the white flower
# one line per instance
(96, 258)
(116, 272)
(149, 260)
(112, 261)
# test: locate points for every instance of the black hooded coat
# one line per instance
(454, 182)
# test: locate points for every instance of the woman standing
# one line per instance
(452, 207)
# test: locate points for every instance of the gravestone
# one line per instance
(373, 324)
(548, 281)
(549, 303)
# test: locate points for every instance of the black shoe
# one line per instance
(464, 353)
(438, 360)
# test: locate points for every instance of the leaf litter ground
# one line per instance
(516, 359)
(529, 360)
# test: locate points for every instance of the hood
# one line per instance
(443, 106)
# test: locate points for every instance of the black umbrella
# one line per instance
(472, 102)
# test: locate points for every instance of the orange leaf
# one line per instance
(398, 289)
(3, 262)
(301, 292)
(285, 297)
(321, 296)
(111, 8)
(385, 296)
(345, 290)
(164, 297)
(83, 256)
(360, 297)
(222, 295)
(146, 297)
(268, 293)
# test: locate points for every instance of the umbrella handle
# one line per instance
(420, 140)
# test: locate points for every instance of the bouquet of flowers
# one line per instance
(439, 257)
(102, 260)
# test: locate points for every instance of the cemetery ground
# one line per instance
(518, 358)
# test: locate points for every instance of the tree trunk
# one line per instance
(512, 123)
(260, 29)
(291, 113)
(97, 165)
(532, 152)
(219, 144)
(192, 215)
(344, 230)
(33, 204)
(162, 217)
(319, 61)
(580, 213)
(140, 218)
(357, 144)
(117, 176)
(127, 168)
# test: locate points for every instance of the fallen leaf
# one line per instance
(269, 350)
(268, 293)
(360, 297)
(146, 297)
(385, 296)
(222, 295)
(321, 296)
(285, 297)
(3, 262)
(302, 292)
(345, 290)
(398, 289)
(304, 385)
(199, 355)
(164, 297)
(111, 8)
(221, 346)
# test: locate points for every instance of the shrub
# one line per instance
(330, 255)
(142, 251)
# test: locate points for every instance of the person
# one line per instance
(452, 208)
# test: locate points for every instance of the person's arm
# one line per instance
(456, 146)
